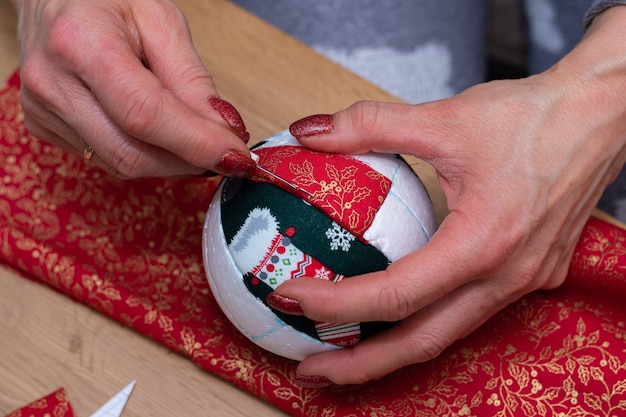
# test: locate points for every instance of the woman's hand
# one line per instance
(122, 78)
(522, 164)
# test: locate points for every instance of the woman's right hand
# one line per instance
(122, 78)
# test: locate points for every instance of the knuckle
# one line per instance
(193, 75)
(453, 111)
(362, 369)
(365, 116)
(499, 258)
(125, 171)
(454, 119)
(64, 33)
(33, 84)
(141, 113)
(395, 303)
(490, 249)
(361, 376)
(127, 164)
(174, 15)
(426, 347)
(525, 279)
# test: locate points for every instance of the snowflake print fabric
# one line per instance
(340, 239)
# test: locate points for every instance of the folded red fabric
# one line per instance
(132, 250)
(55, 404)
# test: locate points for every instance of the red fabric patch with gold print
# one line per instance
(345, 189)
(52, 405)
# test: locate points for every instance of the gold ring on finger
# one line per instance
(88, 152)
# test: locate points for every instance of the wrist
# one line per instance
(594, 74)
(587, 89)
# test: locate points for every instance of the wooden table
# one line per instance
(48, 341)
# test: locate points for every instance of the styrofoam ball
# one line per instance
(347, 215)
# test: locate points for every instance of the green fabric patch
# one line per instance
(307, 227)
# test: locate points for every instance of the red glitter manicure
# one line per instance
(232, 117)
(284, 304)
(312, 125)
(236, 164)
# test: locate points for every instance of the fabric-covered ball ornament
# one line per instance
(349, 215)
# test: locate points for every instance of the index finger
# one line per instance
(422, 130)
(146, 109)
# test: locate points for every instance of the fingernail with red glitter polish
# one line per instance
(236, 164)
(232, 117)
(312, 125)
(284, 304)
(313, 381)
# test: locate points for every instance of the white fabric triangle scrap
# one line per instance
(115, 406)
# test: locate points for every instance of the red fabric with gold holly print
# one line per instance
(132, 250)
(55, 404)
(346, 190)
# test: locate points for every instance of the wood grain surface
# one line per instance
(48, 341)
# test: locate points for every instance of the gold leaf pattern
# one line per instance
(132, 250)
(344, 188)
(55, 404)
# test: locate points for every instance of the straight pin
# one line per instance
(269, 173)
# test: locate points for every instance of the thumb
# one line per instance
(370, 126)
